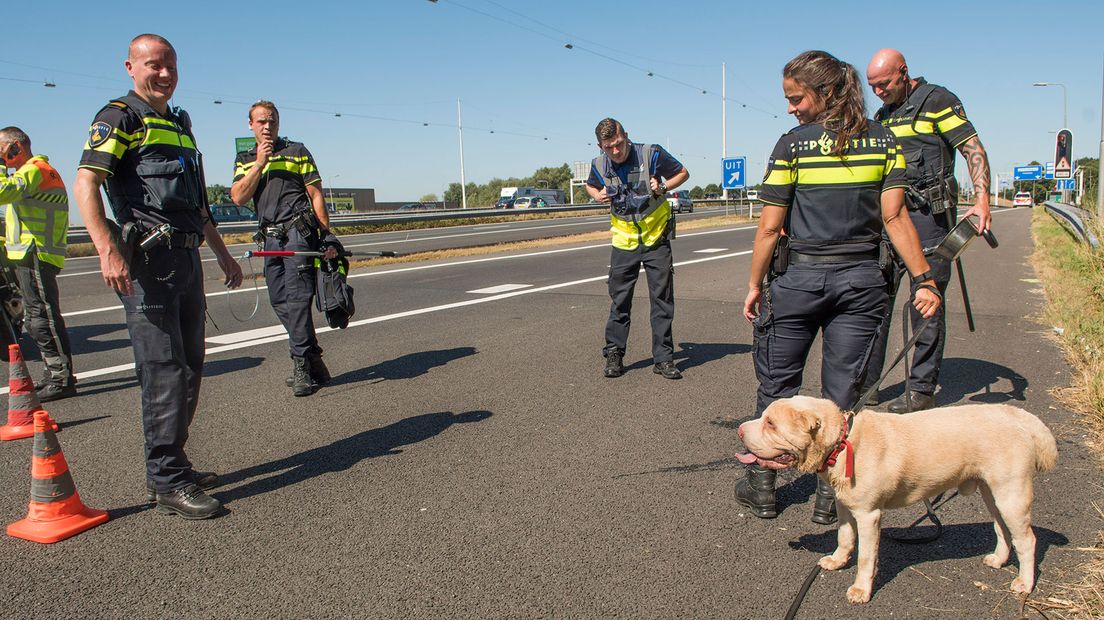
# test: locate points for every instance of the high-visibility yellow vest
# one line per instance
(38, 212)
(647, 224)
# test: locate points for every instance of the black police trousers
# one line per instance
(165, 318)
(623, 273)
(844, 302)
(927, 357)
(291, 284)
(42, 317)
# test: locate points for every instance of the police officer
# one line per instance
(930, 124)
(634, 179)
(833, 184)
(37, 222)
(282, 179)
(144, 154)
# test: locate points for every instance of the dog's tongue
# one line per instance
(747, 458)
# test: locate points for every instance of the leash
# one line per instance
(865, 398)
(256, 292)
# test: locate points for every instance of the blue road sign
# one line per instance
(1027, 173)
(1064, 184)
(732, 172)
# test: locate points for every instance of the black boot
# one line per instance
(824, 510)
(301, 382)
(318, 371)
(756, 491)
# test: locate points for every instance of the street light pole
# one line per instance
(463, 185)
(724, 124)
(332, 205)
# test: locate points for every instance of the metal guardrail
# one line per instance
(1073, 219)
(78, 234)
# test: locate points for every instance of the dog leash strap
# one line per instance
(872, 390)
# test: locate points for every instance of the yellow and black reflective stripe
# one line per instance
(118, 144)
(781, 173)
(160, 131)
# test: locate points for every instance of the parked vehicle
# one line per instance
(1023, 199)
(680, 201)
(505, 202)
(232, 213)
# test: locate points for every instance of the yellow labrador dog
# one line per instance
(901, 459)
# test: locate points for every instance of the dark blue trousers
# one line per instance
(623, 273)
(165, 318)
(845, 303)
(291, 284)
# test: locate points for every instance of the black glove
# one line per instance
(330, 240)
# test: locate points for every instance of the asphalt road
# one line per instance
(469, 460)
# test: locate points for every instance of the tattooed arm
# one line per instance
(978, 163)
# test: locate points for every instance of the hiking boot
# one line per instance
(911, 401)
(318, 371)
(667, 370)
(188, 502)
(824, 509)
(756, 491)
(205, 480)
(301, 382)
(614, 367)
(56, 391)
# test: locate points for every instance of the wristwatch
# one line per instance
(662, 187)
(927, 275)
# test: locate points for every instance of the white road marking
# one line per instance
(277, 337)
(710, 250)
(501, 288)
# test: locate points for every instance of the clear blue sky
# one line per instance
(410, 60)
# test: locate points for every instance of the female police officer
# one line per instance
(833, 183)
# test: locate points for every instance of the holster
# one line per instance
(886, 257)
(780, 260)
(672, 225)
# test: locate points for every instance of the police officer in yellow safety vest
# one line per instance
(633, 179)
(37, 219)
(144, 154)
(930, 125)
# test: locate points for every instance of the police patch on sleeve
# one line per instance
(98, 134)
(766, 173)
(959, 110)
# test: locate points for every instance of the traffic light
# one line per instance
(1063, 155)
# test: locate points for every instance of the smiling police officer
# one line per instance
(144, 153)
(930, 124)
(282, 179)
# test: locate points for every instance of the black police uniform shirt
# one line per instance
(833, 203)
(282, 191)
(663, 165)
(941, 113)
(112, 147)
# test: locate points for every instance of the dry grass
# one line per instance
(1073, 278)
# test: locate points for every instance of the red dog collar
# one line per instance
(844, 444)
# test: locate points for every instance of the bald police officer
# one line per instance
(930, 124)
(143, 152)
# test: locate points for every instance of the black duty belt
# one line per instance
(187, 241)
(276, 231)
(796, 257)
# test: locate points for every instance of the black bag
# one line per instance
(334, 295)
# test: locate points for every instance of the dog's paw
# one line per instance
(994, 561)
(858, 595)
(830, 562)
(1019, 586)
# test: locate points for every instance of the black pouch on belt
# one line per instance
(885, 257)
(780, 261)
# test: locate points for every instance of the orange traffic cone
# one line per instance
(22, 399)
(56, 511)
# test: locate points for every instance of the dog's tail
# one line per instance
(1046, 449)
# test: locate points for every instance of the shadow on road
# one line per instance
(343, 454)
(971, 379)
(405, 367)
(691, 354)
(72, 423)
(214, 368)
(962, 541)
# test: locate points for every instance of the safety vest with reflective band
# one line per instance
(644, 226)
(929, 125)
(37, 213)
(167, 174)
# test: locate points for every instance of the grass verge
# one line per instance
(1073, 279)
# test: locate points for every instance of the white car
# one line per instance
(752, 195)
(680, 201)
(1022, 199)
(530, 202)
